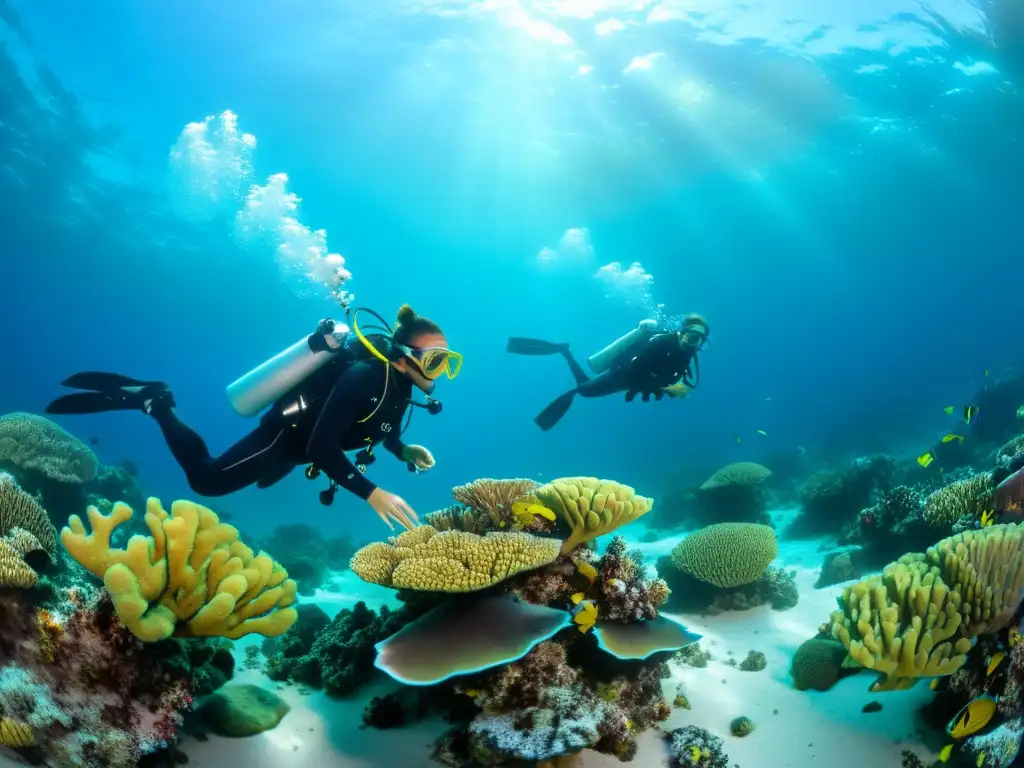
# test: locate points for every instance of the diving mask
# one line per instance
(433, 361)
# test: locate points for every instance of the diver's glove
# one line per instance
(645, 395)
(318, 339)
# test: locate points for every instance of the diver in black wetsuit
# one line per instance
(353, 403)
(643, 362)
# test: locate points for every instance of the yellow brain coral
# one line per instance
(727, 554)
(740, 473)
(964, 497)
(191, 577)
(591, 507)
(917, 618)
(451, 561)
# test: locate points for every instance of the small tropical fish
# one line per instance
(761, 432)
(524, 512)
(993, 662)
(981, 755)
(949, 409)
(589, 572)
(973, 717)
(584, 614)
(472, 693)
(926, 458)
(951, 437)
(945, 753)
(577, 597)
(970, 414)
(987, 518)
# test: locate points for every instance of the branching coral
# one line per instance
(35, 444)
(917, 617)
(451, 561)
(727, 554)
(965, 497)
(192, 576)
(591, 507)
(494, 498)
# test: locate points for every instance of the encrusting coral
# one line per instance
(919, 616)
(192, 576)
(451, 561)
(591, 507)
(35, 444)
(727, 554)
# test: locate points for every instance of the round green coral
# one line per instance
(817, 664)
(727, 554)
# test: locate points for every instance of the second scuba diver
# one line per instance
(642, 362)
(349, 401)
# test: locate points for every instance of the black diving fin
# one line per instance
(553, 414)
(517, 345)
(109, 392)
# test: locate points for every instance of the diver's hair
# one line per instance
(694, 319)
(409, 325)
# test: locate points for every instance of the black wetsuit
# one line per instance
(339, 399)
(660, 362)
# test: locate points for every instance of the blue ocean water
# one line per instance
(837, 189)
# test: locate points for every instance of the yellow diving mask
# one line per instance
(434, 361)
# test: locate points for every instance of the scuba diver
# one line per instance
(642, 362)
(329, 393)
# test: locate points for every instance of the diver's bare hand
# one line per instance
(390, 507)
(419, 457)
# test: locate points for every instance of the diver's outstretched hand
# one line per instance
(390, 507)
(419, 457)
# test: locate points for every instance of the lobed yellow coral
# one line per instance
(965, 497)
(741, 473)
(18, 509)
(727, 554)
(16, 734)
(918, 617)
(191, 577)
(493, 497)
(591, 507)
(451, 561)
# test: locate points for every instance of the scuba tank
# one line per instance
(600, 362)
(266, 383)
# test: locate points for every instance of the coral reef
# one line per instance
(693, 747)
(338, 656)
(491, 498)
(894, 525)
(693, 656)
(831, 499)
(774, 587)
(837, 568)
(727, 554)
(192, 576)
(451, 561)
(817, 664)
(18, 509)
(34, 445)
(918, 617)
(968, 497)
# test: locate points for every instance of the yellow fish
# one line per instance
(934, 684)
(973, 717)
(987, 518)
(926, 458)
(981, 759)
(472, 693)
(577, 597)
(1013, 637)
(524, 512)
(951, 437)
(584, 614)
(588, 571)
(970, 414)
(945, 753)
(993, 662)
(949, 409)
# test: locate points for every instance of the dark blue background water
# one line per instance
(852, 235)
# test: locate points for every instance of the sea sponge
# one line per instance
(451, 561)
(192, 577)
(968, 497)
(817, 664)
(35, 443)
(591, 507)
(19, 510)
(727, 554)
(493, 497)
(742, 473)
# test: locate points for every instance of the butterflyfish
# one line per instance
(970, 414)
(945, 753)
(972, 718)
(993, 662)
(951, 437)
(926, 459)
(584, 614)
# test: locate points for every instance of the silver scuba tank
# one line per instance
(266, 383)
(600, 362)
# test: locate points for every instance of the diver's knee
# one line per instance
(206, 486)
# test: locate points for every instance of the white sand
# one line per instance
(811, 728)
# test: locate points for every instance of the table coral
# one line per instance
(192, 576)
(34, 443)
